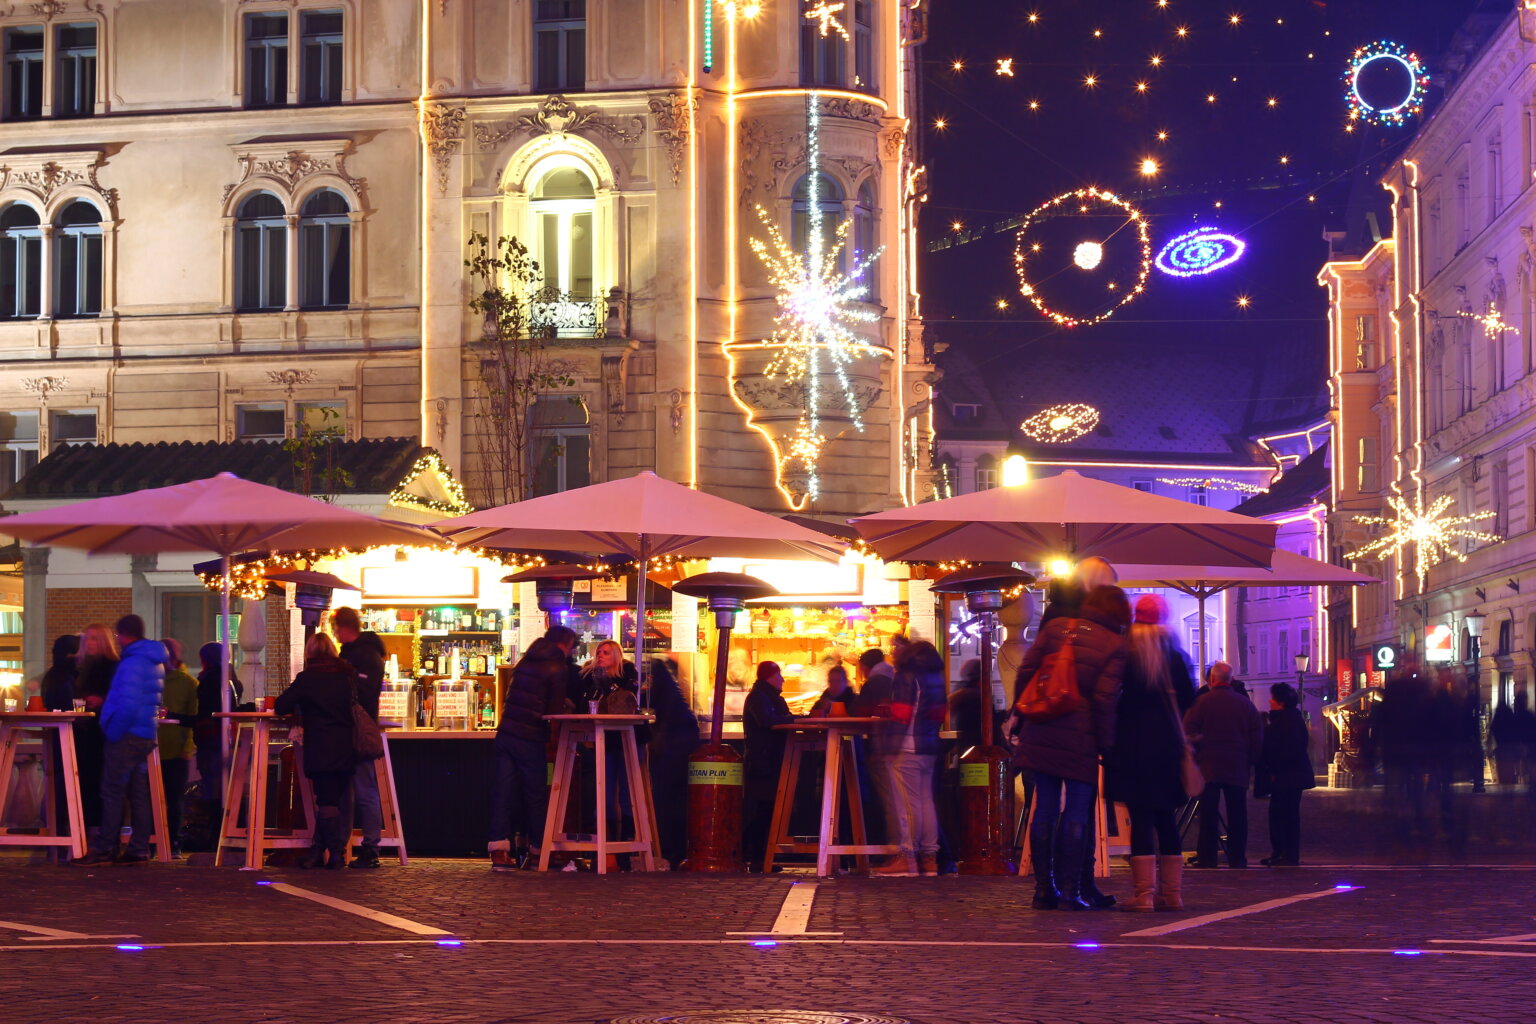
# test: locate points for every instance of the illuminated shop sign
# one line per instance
(1439, 645)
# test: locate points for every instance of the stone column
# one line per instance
(45, 286)
(35, 641)
(291, 283)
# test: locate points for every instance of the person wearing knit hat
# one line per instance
(1151, 610)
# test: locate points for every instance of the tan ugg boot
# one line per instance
(1170, 882)
(1144, 881)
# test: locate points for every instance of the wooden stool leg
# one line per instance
(639, 799)
(8, 739)
(234, 787)
(389, 803)
(830, 775)
(855, 803)
(161, 839)
(599, 736)
(256, 833)
(559, 790)
(69, 778)
(307, 799)
(778, 824)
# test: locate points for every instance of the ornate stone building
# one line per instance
(1434, 383)
(226, 220)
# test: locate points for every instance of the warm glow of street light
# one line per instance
(1015, 471)
(1149, 167)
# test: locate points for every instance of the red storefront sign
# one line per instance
(1344, 670)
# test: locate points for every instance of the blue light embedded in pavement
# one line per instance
(1087, 945)
(450, 942)
(1345, 888)
(764, 942)
(130, 947)
(1407, 952)
(263, 882)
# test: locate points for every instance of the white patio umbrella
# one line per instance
(1067, 516)
(641, 517)
(1202, 581)
(223, 514)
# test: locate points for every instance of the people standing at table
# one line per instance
(839, 692)
(612, 685)
(179, 698)
(1090, 615)
(674, 738)
(207, 732)
(1284, 773)
(364, 651)
(907, 745)
(98, 661)
(128, 728)
(520, 788)
(765, 708)
(876, 676)
(1145, 770)
(58, 683)
(322, 695)
(1227, 735)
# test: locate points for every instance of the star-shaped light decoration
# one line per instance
(825, 14)
(1429, 530)
(1493, 323)
(1005, 67)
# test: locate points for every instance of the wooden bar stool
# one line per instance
(13, 726)
(835, 737)
(248, 778)
(159, 839)
(575, 729)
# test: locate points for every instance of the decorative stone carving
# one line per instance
(674, 114)
(442, 128)
(615, 374)
(679, 403)
(847, 106)
(558, 116)
(289, 168)
(48, 9)
(786, 150)
(44, 386)
(290, 379)
(55, 171)
(895, 140)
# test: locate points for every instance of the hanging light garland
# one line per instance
(1087, 255)
(1213, 483)
(431, 464)
(1411, 103)
(1429, 530)
(1061, 423)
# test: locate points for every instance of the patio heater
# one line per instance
(983, 837)
(554, 585)
(715, 771)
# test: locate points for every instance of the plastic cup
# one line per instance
(12, 704)
(35, 703)
(79, 704)
(268, 703)
(591, 707)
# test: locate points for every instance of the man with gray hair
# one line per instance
(1228, 735)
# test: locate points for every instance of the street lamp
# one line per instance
(1475, 621)
(1302, 661)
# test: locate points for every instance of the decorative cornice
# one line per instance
(558, 116)
(442, 129)
(673, 114)
(43, 174)
(44, 386)
(288, 168)
(290, 379)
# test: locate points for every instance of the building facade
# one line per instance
(271, 234)
(1433, 387)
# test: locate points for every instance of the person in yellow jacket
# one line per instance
(175, 737)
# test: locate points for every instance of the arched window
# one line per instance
(21, 263)
(325, 252)
(261, 254)
(829, 199)
(864, 238)
(77, 260)
(563, 204)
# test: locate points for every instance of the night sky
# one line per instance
(1246, 162)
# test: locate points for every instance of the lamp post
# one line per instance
(1302, 661)
(1475, 621)
(984, 768)
(715, 771)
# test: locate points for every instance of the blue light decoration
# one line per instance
(1201, 251)
(1412, 102)
(709, 36)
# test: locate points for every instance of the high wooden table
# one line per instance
(13, 724)
(576, 729)
(834, 736)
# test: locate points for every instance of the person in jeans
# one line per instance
(128, 726)
(520, 789)
(364, 651)
(175, 738)
(1228, 735)
(1092, 615)
(1284, 773)
(908, 750)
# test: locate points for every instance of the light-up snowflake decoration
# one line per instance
(825, 14)
(1061, 423)
(1493, 323)
(820, 308)
(1429, 530)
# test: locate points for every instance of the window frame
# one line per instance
(15, 266)
(563, 79)
(333, 58)
(55, 442)
(266, 229)
(35, 63)
(16, 449)
(327, 225)
(564, 212)
(241, 409)
(71, 242)
(561, 433)
(277, 93)
(87, 70)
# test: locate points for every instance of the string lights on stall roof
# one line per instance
(1430, 530)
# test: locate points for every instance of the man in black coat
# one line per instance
(764, 709)
(364, 651)
(1228, 735)
(520, 790)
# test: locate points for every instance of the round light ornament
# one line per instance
(1385, 84)
(1131, 231)
(1061, 423)
(1197, 252)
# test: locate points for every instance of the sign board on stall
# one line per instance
(610, 591)
(920, 616)
(685, 623)
(394, 705)
(1439, 644)
(401, 581)
(530, 621)
(1384, 657)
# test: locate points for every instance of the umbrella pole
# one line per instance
(1200, 598)
(640, 581)
(224, 729)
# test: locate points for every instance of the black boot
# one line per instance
(1045, 886)
(1087, 887)
(333, 835)
(1069, 867)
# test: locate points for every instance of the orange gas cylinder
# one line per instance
(714, 809)
(984, 812)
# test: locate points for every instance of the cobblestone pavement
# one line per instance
(1454, 942)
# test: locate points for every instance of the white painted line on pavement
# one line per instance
(360, 911)
(41, 934)
(1252, 908)
(1503, 940)
(795, 914)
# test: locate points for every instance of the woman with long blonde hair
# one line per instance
(607, 672)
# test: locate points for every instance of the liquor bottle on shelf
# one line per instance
(488, 707)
